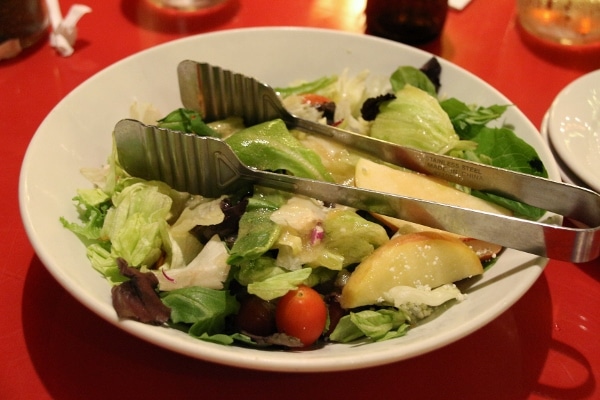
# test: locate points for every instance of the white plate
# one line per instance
(574, 127)
(565, 172)
(77, 133)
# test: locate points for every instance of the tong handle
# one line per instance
(561, 198)
(534, 237)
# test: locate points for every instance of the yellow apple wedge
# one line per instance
(485, 251)
(379, 177)
(417, 259)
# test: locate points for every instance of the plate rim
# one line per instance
(565, 172)
(571, 160)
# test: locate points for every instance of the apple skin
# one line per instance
(485, 251)
(416, 259)
(379, 177)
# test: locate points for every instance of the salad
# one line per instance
(270, 269)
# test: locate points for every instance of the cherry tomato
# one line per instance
(301, 313)
(315, 99)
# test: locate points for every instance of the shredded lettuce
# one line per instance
(416, 119)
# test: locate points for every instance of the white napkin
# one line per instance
(458, 4)
(64, 31)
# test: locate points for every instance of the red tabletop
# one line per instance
(545, 346)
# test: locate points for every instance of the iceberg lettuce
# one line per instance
(271, 147)
(416, 119)
(136, 222)
(208, 269)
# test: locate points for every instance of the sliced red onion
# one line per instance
(167, 276)
(317, 234)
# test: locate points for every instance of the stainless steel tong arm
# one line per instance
(209, 167)
(218, 93)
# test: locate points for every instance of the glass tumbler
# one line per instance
(407, 21)
(187, 5)
(568, 22)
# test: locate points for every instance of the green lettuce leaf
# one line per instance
(256, 235)
(202, 308)
(257, 270)
(501, 148)
(102, 261)
(271, 147)
(278, 285)
(416, 119)
(137, 222)
(306, 87)
(469, 120)
(378, 325)
(92, 206)
(408, 75)
(351, 236)
(497, 146)
(187, 121)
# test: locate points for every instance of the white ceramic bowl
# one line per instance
(77, 133)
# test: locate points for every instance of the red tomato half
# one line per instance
(302, 313)
(315, 99)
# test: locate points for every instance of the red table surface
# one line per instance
(545, 346)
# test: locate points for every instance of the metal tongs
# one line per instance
(208, 166)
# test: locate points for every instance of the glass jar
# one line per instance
(22, 24)
(406, 21)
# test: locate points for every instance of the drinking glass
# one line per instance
(568, 22)
(187, 5)
(407, 21)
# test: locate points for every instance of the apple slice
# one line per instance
(417, 259)
(485, 251)
(374, 176)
